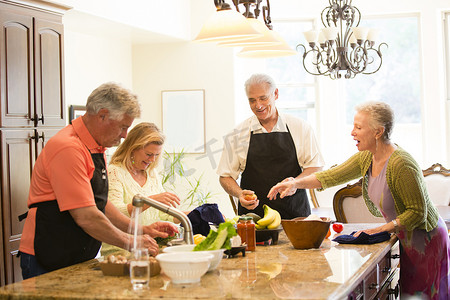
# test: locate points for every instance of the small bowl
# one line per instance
(306, 234)
(187, 267)
(235, 251)
(217, 254)
(263, 235)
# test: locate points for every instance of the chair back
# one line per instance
(324, 198)
(437, 180)
(349, 206)
(234, 204)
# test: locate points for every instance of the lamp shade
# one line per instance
(282, 49)
(311, 36)
(267, 39)
(226, 25)
(360, 33)
(330, 33)
(373, 34)
(322, 38)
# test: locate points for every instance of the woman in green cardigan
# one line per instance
(394, 188)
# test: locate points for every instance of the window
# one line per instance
(397, 82)
(447, 50)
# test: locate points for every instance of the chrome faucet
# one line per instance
(139, 201)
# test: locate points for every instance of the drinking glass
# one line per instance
(139, 268)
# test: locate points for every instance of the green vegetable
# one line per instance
(163, 241)
(218, 239)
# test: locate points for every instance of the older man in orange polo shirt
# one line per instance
(69, 213)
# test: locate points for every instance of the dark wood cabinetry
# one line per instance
(381, 282)
(32, 109)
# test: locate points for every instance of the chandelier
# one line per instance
(230, 28)
(342, 46)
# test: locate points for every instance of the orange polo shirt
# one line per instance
(63, 172)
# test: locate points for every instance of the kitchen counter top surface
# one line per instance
(271, 272)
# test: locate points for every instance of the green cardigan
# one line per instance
(404, 179)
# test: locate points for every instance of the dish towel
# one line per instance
(363, 238)
(201, 216)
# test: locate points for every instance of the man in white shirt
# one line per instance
(265, 149)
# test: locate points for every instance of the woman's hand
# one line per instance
(389, 227)
(160, 229)
(167, 198)
(248, 199)
(285, 188)
(370, 231)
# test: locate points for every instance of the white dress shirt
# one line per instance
(234, 155)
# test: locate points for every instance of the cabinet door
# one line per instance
(49, 72)
(18, 153)
(42, 136)
(16, 68)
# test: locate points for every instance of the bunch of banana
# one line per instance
(271, 219)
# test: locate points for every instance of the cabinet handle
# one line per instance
(373, 286)
(395, 256)
(36, 119)
(386, 270)
(42, 137)
(394, 291)
(35, 136)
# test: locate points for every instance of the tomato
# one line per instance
(338, 227)
(250, 197)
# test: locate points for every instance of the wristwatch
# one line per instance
(395, 225)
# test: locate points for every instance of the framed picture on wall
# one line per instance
(75, 111)
(183, 120)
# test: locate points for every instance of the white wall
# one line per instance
(93, 60)
(187, 66)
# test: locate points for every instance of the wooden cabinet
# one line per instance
(18, 156)
(32, 109)
(31, 62)
(381, 282)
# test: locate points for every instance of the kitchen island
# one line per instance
(333, 271)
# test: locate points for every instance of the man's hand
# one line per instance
(248, 199)
(160, 229)
(147, 242)
(284, 188)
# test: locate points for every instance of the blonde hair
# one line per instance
(139, 136)
(381, 115)
(116, 99)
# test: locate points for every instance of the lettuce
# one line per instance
(218, 239)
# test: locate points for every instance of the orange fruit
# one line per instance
(328, 233)
(250, 197)
(198, 238)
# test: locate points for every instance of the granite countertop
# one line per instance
(271, 272)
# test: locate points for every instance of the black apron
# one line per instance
(59, 242)
(271, 158)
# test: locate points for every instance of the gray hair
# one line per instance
(257, 79)
(116, 99)
(381, 115)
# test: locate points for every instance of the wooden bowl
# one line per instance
(112, 269)
(306, 234)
